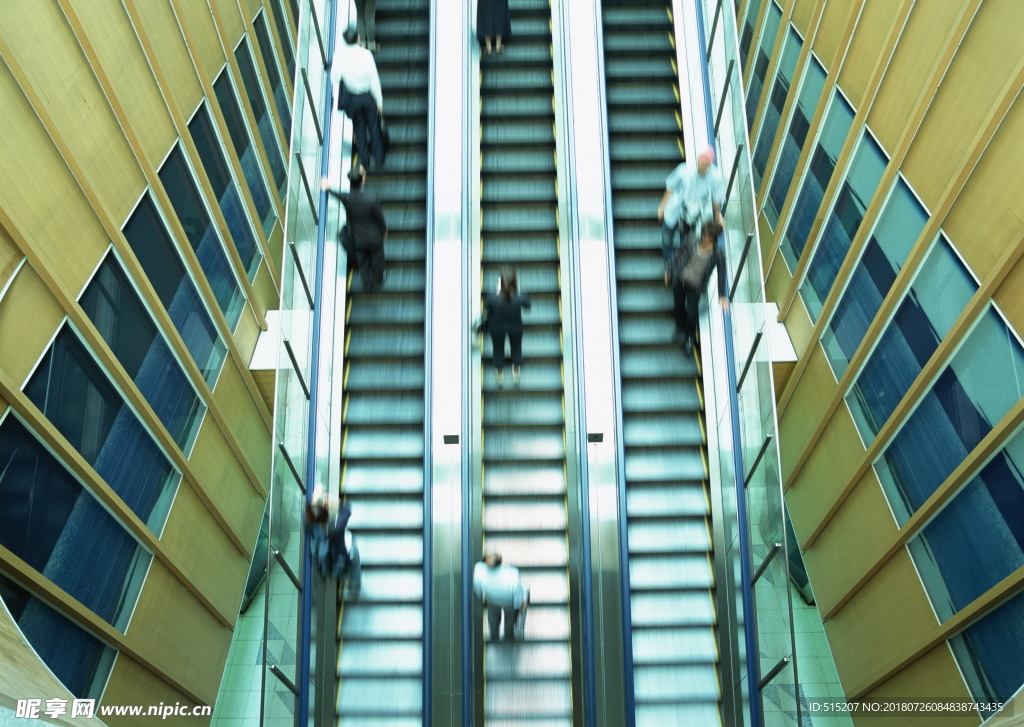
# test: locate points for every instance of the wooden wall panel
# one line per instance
(247, 333)
(1009, 299)
(231, 21)
(869, 38)
(803, 11)
(851, 544)
(120, 54)
(204, 34)
(909, 70)
(985, 60)
(178, 634)
(230, 488)
(831, 29)
(29, 316)
(248, 427)
(987, 217)
(267, 295)
(56, 69)
(132, 683)
(204, 551)
(172, 53)
(10, 258)
(807, 407)
(934, 677)
(889, 618)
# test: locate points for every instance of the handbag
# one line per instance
(385, 136)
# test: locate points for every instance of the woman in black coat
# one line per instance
(505, 318)
(493, 21)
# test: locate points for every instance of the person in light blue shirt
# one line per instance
(501, 589)
(693, 196)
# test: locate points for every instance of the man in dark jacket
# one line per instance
(691, 271)
(367, 226)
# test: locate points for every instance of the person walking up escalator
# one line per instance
(366, 224)
(357, 88)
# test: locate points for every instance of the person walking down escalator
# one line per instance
(501, 589)
(357, 88)
(332, 547)
(691, 270)
(693, 195)
(366, 224)
(505, 319)
(493, 21)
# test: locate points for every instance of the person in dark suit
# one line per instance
(505, 318)
(367, 225)
(691, 270)
(493, 21)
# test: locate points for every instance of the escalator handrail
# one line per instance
(305, 606)
(749, 619)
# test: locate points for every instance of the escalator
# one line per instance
(675, 649)
(380, 633)
(524, 509)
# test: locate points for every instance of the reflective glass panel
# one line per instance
(747, 35)
(268, 134)
(989, 653)
(776, 102)
(764, 52)
(277, 86)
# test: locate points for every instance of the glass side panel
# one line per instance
(747, 35)
(764, 52)
(989, 654)
(776, 102)
(284, 33)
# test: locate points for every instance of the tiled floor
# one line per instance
(238, 703)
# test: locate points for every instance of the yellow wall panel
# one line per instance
(172, 56)
(204, 34)
(252, 8)
(276, 244)
(983, 63)
(113, 39)
(803, 10)
(267, 297)
(1009, 299)
(204, 552)
(230, 489)
(995, 186)
(247, 332)
(869, 39)
(10, 258)
(244, 419)
(29, 316)
(852, 542)
(934, 677)
(830, 32)
(910, 69)
(48, 202)
(888, 619)
(765, 237)
(805, 409)
(131, 683)
(177, 634)
(799, 326)
(231, 21)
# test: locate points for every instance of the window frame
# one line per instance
(268, 102)
(774, 77)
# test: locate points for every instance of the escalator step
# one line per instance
(366, 408)
(645, 69)
(383, 375)
(517, 699)
(514, 408)
(502, 190)
(524, 478)
(367, 442)
(379, 341)
(666, 430)
(406, 161)
(402, 55)
(380, 697)
(547, 586)
(657, 363)
(391, 549)
(539, 281)
(410, 191)
(369, 478)
(640, 330)
(536, 376)
(633, 235)
(640, 268)
(383, 623)
(518, 132)
(405, 218)
(524, 444)
(402, 28)
(526, 217)
(402, 105)
(660, 573)
(682, 608)
(527, 661)
(544, 311)
(517, 514)
(526, 161)
(672, 501)
(637, 16)
(643, 148)
(617, 41)
(378, 309)
(536, 344)
(391, 585)
(526, 105)
(516, 80)
(641, 178)
(532, 551)
(521, 52)
(689, 683)
(688, 535)
(390, 659)
(648, 297)
(666, 465)
(385, 514)
(401, 247)
(637, 94)
(655, 396)
(699, 714)
(526, 29)
(520, 248)
(402, 79)
(695, 644)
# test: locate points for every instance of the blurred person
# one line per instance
(354, 74)
(505, 318)
(366, 224)
(332, 547)
(691, 271)
(493, 21)
(366, 23)
(693, 195)
(501, 589)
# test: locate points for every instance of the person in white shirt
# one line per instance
(693, 196)
(501, 589)
(354, 74)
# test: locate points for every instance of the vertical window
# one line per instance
(898, 228)
(939, 293)
(111, 303)
(843, 222)
(764, 52)
(793, 141)
(247, 154)
(776, 102)
(277, 86)
(264, 122)
(747, 36)
(819, 174)
(62, 531)
(224, 189)
(989, 653)
(977, 539)
(202, 236)
(154, 248)
(77, 658)
(982, 382)
(74, 394)
(284, 33)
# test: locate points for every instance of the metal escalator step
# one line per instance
(663, 148)
(691, 645)
(637, 16)
(504, 190)
(650, 179)
(389, 513)
(518, 131)
(368, 408)
(525, 161)
(525, 79)
(664, 430)
(526, 217)
(533, 53)
(369, 478)
(661, 573)
(377, 442)
(519, 249)
(527, 105)
(406, 218)
(547, 623)
(616, 41)
(527, 699)
(523, 443)
(636, 94)
(525, 29)
(401, 55)
(374, 310)
(390, 659)
(647, 69)
(545, 310)
(536, 375)
(657, 396)
(391, 585)
(516, 408)
(531, 551)
(686, 714)
(547, 586)
(403, 79)
(404, 105)
(667, 501)
(684, 683)
(648, 297)
(402, 27)
(524, 478)
(381, 623)
(383, 375)
(658, 363)
(517, 514)
(390, 549)
(380, 721)
(661, 465)
(640, 268)
(536, 344)
(385, 341)
(403, 248)
(679, 608)
(638, 234)
(387, 8)
(529, 6)
(406, 161)
(679, 535)
(531, 722)
(527, 661)
(402, 191)
(380, 697)
(534, 279)
(643, 330)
